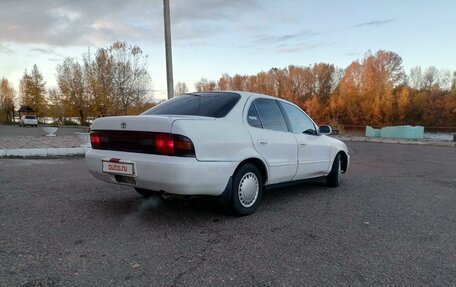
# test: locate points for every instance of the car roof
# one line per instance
(244, 95)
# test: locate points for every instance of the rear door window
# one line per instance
(270, 115)
(253, 118)
(211, 104)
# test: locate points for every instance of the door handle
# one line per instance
(302, 144)
(262, 142)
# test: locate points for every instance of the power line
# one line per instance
(36, 11)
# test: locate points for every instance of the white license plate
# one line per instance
(118, 168)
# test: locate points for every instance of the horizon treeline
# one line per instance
(374, 90)
(111, 81)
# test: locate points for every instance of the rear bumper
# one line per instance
(30, 123)
(174, 175)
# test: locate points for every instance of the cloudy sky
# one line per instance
(211, 37)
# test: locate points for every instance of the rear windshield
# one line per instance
(212, 104)
(30, 117)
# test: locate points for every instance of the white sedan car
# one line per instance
(28, 120)
(226, 144)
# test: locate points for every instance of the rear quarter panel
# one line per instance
(218, 139)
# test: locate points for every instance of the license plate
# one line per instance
(118, 168)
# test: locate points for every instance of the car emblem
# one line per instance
(123, 125)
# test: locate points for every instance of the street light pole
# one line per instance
(169, 56)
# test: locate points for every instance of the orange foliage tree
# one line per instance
(372, 91)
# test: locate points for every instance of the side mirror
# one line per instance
(325, 130)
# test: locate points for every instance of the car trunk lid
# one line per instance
(141, 134)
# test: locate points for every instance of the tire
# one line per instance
(333, 178)
(246, 190)
(146, 192)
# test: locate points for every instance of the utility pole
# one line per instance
(169, 55)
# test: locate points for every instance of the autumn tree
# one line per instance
(180, 89)
(366, 93)
(99, 82)
(415, 79)
(322, 80)
(70, 80)
(7, 98)
(403, 103)
(347, 103)
(205, 85)
(32, 91)
(451, 101)
(131, 80)
(56, 105)
(224, 82)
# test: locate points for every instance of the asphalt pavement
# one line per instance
(391, 222)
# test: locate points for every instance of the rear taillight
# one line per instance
(95, 139)
(143, 142)
(183, 146)
(169, 144)
(164, 144)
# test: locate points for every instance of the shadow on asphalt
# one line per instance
(197, 206)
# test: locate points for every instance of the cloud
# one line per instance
(351, 54)
(57, 60)
(264, 38)
(47, 51)
(4, 49)
(298, 47)
(374, 23)
(85, 23)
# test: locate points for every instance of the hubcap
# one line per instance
(248, 189)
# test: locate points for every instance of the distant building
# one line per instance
(25, 110)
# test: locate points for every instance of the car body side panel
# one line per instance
(217, 140)
(336, 147)
(314, 156)
(277, 148)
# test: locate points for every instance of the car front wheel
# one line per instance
(247, 189)
(333, 178)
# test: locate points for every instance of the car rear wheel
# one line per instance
(146, 192)
(247, 189)
(333, 178)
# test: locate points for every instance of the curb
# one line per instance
(397, 141)
(43, 152)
